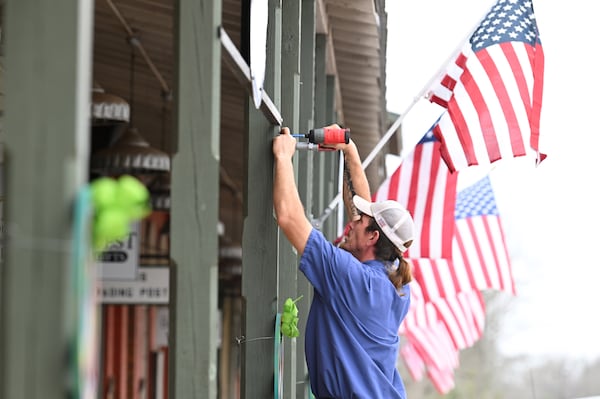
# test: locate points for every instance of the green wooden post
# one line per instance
(195, 202)
(330, 104)
(327, 164)
(46, 129)
(305, 173)
(259, 263)
(290, 109)
(331, 162)
(320, 162)
(260, 267)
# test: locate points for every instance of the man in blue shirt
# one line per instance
(361, 292)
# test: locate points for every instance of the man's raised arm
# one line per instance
(289, 210)
(355, 179)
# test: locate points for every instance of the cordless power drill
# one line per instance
(317, 138)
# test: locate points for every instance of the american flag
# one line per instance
(480, 254)
(429, 342)
(413, 361)
(462, 317)
(480, 258)
(493, 90)
(425, 186)
(438, 278)
(442, 322)
(436, 331)
(447, 311)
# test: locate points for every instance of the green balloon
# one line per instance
(104, 192)
(287, 330)
(134, 197)
(295, 332)
(132, 191)
(287, 318)
(288, 305)
(110, 225)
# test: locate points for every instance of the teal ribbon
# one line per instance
(278, 360)
(83, 312)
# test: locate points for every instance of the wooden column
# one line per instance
(195, 202)
(290, 108)
(260, 267)
(331, 163)
(48, 50)
(305, 173)
(319, 173)
(326, 166)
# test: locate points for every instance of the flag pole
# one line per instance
(318, 223)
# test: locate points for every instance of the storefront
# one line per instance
(210, 270)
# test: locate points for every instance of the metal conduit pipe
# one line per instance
(135, 42)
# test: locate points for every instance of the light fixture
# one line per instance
(130, 153)
(160, 192)
(108, 108)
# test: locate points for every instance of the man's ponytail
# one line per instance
(402, 275)
(387, 252)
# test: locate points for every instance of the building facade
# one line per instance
(178, 80)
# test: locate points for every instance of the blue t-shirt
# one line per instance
(351, 338)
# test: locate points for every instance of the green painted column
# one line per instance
(290, 109)
(305, 172)
(48, 51)
(320, 120)
(195, 202)
(260, 242)
(331, 163)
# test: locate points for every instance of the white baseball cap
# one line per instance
(393, 219)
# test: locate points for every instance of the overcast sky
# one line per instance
(550, 213)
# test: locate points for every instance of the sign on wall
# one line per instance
(151, 286)
(120, 259)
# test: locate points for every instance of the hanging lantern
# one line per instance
(160, 192)
(108, 108)
(130, 154)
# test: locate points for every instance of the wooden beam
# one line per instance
(332, 163)
(320, 120)
(290, 106)
(305, 173)
(46, 131)
(240, 69)
(195, 202)
(260, 268)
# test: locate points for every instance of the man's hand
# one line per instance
(284, 145)
(337, 146)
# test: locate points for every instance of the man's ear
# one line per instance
(374, 236)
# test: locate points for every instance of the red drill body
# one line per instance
(318, 138)
(329, 135)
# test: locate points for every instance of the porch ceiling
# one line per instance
(354, 57)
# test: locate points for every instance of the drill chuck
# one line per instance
(312, 147)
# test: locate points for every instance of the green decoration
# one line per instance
(117, 202)
(133, 196)
(104, 193)
(289, 318)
